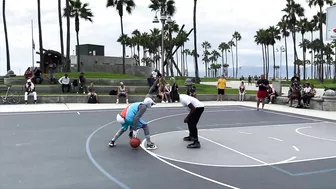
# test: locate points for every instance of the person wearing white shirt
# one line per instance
(65, 82)
(196, 109)
(30, 90)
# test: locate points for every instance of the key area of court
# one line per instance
(241, 148)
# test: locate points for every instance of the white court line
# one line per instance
(275, 139)
(67, 111)
(78, 113)
(320, 138)
(286, 161)
(246, 133)
(115, 180)
(296, 148)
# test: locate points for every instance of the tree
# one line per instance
(119, 5)
(67, 16)
(321, 4)
(78, 10)
(197, 80)
(40, 35)
(283, 27)
(6, 34)
(236, 35)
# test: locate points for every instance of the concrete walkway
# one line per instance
(236, 84)
(76, 107)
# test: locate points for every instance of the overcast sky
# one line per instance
(216, 22)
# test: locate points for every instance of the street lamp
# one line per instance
(281, 50)
(164, 18)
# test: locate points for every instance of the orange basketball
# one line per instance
(135, 142)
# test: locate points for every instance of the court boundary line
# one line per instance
(311, 136)
(66, 111)
(115, 180)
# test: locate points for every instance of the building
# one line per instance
(92, 59)
(90, 49)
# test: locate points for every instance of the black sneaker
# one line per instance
(189, 139)
(112, 144)
(151, 146)
(194, 145)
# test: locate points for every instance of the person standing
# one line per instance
(262, 93)
(196, 109)
(221, 85)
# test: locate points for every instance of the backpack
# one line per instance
(92, 99)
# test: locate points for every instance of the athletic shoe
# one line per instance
(189, 138)
(194, 145)
(151, 146)
(112, 144)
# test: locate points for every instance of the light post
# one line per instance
(281, 50)
(163, 19)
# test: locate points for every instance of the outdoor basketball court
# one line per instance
(241, 148)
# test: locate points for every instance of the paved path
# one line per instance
(35, 108)
(236, 84)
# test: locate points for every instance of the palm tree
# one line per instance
(321, 4)
(283, 26)
(223, 47)
(166, 8)
(275, 35)
(40, 35)
(119, 5)
(206, 45)
(303, 28)
(293, 10)
(195, 43)
(78, 10)
(67, 15)
(6, 34)
(236, 35)
(232, 44)
(60, 26)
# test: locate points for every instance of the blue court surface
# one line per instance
(241, 148)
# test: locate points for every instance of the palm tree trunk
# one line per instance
(123, 45)
(40, 36)
(68, 38)
(60, 26)
(233, 65)
(263, 58)
(197, 80)
(321, 39)
(6, 34)
(295, 52)
(274, 62)
(77, 37)
(237, 58)
(286, 52)
(222, 62)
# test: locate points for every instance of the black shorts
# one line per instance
(221, 91)
(122, 94)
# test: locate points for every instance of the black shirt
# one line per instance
(263, 81)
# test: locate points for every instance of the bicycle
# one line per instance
(10, 97)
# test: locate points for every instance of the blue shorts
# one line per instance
(130, 123)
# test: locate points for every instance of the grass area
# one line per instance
(316, 83)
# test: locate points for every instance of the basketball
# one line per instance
(135, 142)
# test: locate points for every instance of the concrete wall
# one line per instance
(109, 64)
(112, 98)
(96, 81)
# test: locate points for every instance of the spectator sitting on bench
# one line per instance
(308, 93)
(272, 94)
(37, 79)
(65, 82)
(122, 92)
(82, 84)
(93, 97)
(192, 91)
(30, 90)
(164, 93)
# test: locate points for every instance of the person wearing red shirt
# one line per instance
(262, 94)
